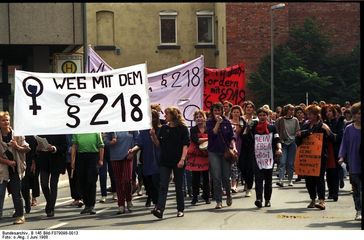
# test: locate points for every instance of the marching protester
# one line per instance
(316, 184)
(246, 158)
(220, 137)
(29, 181)
(73, 175)
(351, 151)
(266, 142)
(197, 158)
(239, 125)
(173, 141)
(90, 149)
(13, 151)
(106, 168)
(287, 126)
(150, 155)
(227, 109)
(122, 165)
(299, 113)
(333, 169)
(51, 150)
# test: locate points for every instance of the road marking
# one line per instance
(57, 226)
(103, 210)
(43, 204)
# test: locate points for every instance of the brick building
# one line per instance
(248, 28)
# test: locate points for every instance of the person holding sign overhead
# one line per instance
(316, 184)
(266, 140)
(90, 147)
(173, 141)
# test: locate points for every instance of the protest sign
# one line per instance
(180, 86)
(53, 103)
(263, 150)
(224, 84)
(308, 156)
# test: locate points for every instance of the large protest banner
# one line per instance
(224, 84)
(180, 86)
(308, 156)
(53, 103)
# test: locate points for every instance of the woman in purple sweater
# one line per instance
(350, 150)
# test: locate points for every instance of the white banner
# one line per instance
(52, 103)
(180, 86)
(263, 150)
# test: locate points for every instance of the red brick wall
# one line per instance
(248, 28)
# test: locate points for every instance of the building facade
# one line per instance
(30, 35)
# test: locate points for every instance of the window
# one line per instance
(205, 27)
(168, 27)
(105, 28)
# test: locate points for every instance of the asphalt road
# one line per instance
(288, 212)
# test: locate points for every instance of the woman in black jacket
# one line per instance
(316, 184)
(333, 169)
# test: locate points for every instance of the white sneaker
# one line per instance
(103, 199)
(358, 216)
(290, 183)
(114, 196)
(248, 193)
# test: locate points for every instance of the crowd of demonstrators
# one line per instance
(258, 139)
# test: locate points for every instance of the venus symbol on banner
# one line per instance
(54, 103)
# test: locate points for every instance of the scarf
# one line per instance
(262, 128)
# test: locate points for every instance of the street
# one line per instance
(288, 212)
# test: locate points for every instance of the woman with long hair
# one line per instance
(246, 158)
(150, 155)
(238, 123)
(173, 141)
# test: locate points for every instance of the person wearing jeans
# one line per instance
(173, 140)
(220, 136)
(351, 150)
(287, 127)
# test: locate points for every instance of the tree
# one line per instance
(303, 65)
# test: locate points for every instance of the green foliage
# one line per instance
(304, 65)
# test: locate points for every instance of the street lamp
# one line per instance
(272, 8)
